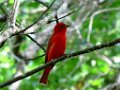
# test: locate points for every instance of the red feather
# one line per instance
(56, 48)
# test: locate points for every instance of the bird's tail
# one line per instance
(44, 78)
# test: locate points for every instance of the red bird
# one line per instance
(56, 48)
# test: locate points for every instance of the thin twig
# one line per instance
(35, 57)
(62, 16)
(64, 57)
(3, 10)
(38, 18)
(36, 42)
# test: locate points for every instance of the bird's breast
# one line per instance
(59, 47)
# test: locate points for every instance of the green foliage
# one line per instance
(86, 72)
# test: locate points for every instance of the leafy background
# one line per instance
(97, 70)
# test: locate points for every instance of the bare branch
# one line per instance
(35, 57)
(14, 13)
(36, 43)
(39, 21)
(66, 56)
(9, 33)
(62, 16)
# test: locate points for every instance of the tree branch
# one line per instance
(35, 58)
(87, 50)
(9, 33)
(39, 21)
(14, 13)
(36, 42)
(62, 16)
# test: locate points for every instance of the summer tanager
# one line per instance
(56, 48)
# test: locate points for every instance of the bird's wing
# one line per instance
(49, 48)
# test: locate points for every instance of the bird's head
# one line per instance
(60, 27)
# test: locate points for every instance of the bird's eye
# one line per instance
(61, 27)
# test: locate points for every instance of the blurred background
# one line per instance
(94, 22)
